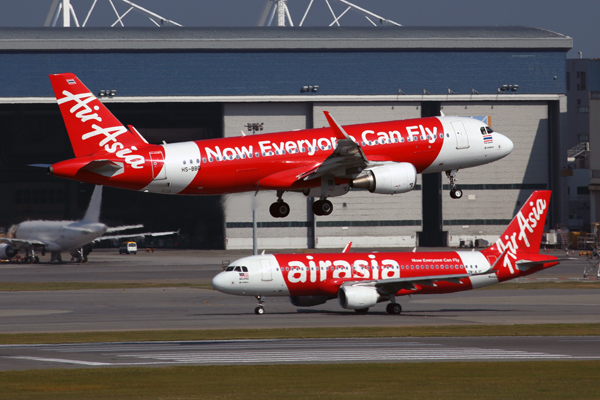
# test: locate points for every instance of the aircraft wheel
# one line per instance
(322, 207)
(259, 311)
(393, 308)
(36, 260)
(456, 193)
(362, 310)
(279, 209)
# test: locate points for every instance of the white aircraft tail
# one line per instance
(93, 212)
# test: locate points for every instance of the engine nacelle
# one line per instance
(7, 251)
(387, 179)
(357, 297)
(308, 301)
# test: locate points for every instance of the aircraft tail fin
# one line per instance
(91, 126)
(524, 233)
(93, 212)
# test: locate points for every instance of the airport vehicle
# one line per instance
(382, 157)
(361, 280)
(58, 236)
(128, 248)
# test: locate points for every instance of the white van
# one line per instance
(128, 248)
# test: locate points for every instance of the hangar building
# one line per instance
(180, 84)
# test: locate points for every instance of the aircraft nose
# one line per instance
(220, 282)
(505, 145)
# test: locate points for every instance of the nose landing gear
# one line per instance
(260, 310)
(454, 192)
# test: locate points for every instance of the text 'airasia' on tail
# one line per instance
(91, 126)
(524, 233)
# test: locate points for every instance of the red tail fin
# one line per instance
(91, 127)
(524, 234)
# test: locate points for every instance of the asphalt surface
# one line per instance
(292, 351)
(171, 308)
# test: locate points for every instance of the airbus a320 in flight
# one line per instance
(382, 157)
(361, 280)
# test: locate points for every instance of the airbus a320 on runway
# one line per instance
(361, 280)
(382, 157)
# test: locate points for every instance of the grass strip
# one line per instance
(303, 333)
(531, 380)
(205, 284)
(44, 286)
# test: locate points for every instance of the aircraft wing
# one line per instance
(391, 286)
(133, 235)
(22, 243)
(348, 157)
(124, 228)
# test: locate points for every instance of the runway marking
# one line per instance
(60, 360)
(273, 351)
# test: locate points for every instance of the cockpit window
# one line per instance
(239, 269)
(229, 269)
(482, 129)
(245, 269)
(488, 129)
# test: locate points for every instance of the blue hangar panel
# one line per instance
(285, 73)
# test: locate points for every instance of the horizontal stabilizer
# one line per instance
(524, 265)
(104, 167)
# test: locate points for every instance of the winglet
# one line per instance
(347, 248)
(340, 133)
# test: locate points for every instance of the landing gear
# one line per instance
(260, 310)
(279, 209)
(454, 192)
(393, 308)
(322, 207)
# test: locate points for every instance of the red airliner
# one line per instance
(361, 280)
(382, 157)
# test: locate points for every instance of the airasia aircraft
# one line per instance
(382, 157)
(361, 280)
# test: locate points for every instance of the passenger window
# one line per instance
(229, 269)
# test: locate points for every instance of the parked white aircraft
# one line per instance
(58, 236)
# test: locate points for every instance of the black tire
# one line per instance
(392, 308)
(456, 193)
(322, 207)
(259, 311)
(396, 308)
(279, 209)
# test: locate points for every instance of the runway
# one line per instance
(291, 351)
(188, 308)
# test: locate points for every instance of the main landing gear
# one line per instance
(393, 308)
(454, 192)
(279, 209)
(322, 207)
(260, 310)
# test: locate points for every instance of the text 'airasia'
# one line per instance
(382, 157)
(361, 280)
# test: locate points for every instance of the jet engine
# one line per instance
(7, 252)
(358, 297)
(387, 179)
(308, 301)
